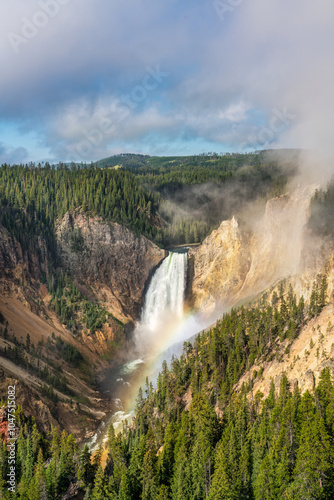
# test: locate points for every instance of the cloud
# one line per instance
(225, 77)
(11, 155)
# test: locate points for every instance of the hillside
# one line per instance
(233, 417)
(236, 261)
(63, 320)
(198, 192)
(245, 410)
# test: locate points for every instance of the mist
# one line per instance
(295, 43)
(244, 195)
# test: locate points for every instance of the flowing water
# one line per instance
(163, 305)
(162, 313)
(166, 290)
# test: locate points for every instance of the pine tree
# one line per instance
(181, 484)
(40, 478)
(166, 458)
(50, 479)
(100, 485)
(116, 456)
(264, 487)
(86, 469)
(323, 293)
(223, 486)
(313, 475)
(150, 482)
(135, 472)
(124, 489)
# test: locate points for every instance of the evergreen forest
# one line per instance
(222, 444)
(141, 194)
(199, 433)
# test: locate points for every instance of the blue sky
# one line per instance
(84, 79)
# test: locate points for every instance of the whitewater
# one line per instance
(166, 290)
(162, 312)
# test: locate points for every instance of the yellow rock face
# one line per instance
(232, 264)
(221, 264)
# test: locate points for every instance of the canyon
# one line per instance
(111, 266)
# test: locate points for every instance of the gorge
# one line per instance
(101, 324)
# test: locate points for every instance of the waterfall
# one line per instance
(166, 291)
(162, 312)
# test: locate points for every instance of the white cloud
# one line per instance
(12, 155)
(225, 78)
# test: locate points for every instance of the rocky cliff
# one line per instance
(17, 264)
(302, 361)
(109, 258)
(219, 266)
(233, 264)
(110, 266)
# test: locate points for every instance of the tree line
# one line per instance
(33, 197)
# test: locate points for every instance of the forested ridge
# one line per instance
(168, 174)
(136, 194)
(172, 172)
(198, 192)
(194, 436)
(33, 200)
(252, 448)
(33, 197)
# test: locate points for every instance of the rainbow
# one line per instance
(173, 333)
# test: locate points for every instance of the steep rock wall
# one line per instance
(233, 264)
(110, 258)
(303, 362)
(15, 263)
(219, 266)
(110, 265)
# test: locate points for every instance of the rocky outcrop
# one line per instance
(20, 271)
(220, 266)
(15, 263)
(108, 262)
(10, 253)
(233, 264)
(110, 259)
(111, 266)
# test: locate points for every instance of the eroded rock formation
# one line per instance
(233, 264)
(110, 258)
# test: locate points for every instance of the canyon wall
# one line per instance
(111, 267)
(110, 258)
(234, 264)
